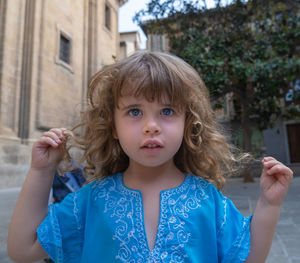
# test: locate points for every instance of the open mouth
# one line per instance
(151, 146)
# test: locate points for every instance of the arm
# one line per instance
(31, 206)
(275, 181)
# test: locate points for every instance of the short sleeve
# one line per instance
(61, 233)
(233, 231)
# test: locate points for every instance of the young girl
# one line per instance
(155, 159)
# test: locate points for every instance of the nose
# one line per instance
(151, 127)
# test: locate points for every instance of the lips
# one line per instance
(152, 144)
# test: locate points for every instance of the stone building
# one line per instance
(155, 41)
(130, 42)
(48, 51)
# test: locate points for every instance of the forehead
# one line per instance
(128, 100)
(153, 78)
(145, 89)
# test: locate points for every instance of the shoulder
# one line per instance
(103, 182)
(200, 182)
(204, 186)
(93, 189)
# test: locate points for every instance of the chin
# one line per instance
(152, 164)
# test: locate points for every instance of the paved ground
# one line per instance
(286, 244)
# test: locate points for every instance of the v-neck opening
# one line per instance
(144, 226)
(160, 224)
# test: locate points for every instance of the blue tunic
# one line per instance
(104, 222)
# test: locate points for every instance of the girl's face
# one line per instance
(150, 133)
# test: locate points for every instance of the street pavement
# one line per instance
(286, 243)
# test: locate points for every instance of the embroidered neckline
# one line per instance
(154, 253)
(177, 189)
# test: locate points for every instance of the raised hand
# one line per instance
(275, 181)
(47, 152)
(32, 204)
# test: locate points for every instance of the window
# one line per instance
(151, 43)
(293, 131)
(65, 49)
(107, 17)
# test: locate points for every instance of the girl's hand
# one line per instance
(47, 152)
(275, 181)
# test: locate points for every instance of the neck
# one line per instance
(161, 177)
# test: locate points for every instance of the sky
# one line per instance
(127, 12)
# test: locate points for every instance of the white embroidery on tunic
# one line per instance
(225, 214)
(75, 212)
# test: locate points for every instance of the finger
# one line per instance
(268, 158)
(269, 164)
(59, 132)
(53, 136)
(280, 169)
(45, 140)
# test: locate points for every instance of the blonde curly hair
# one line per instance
(152, 75)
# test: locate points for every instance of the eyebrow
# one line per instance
(130, 106)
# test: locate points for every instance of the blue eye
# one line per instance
(167, 112)
(135, 112)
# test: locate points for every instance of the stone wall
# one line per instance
(38, 90)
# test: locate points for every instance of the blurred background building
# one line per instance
(130, 42)
(48, 51)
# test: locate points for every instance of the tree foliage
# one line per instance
(249, 49)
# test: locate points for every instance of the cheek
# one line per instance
(180, 131)
(175, 130)
(118, 125)
(127, 133)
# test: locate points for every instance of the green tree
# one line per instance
(249, 49)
